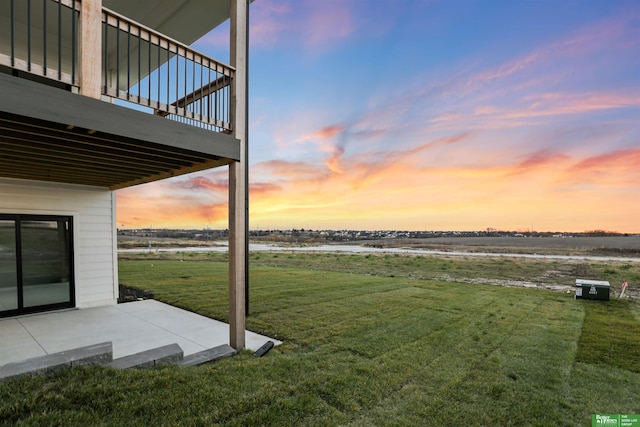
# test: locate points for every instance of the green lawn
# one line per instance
(380, 343)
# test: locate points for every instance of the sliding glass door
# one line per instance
(36, 263)
(8, 266)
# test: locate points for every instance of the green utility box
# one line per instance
(592, 289)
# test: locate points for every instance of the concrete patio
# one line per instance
(131, 327)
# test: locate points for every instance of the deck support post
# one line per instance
(90, 48)
(238, 189)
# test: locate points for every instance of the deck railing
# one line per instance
(139, 65)
(39, 37)
(145, 67)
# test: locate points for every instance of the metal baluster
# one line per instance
(44, 36)
(149, 72)
(118, 57)
(215, 99)
(178, 76)
(59, 40)
(186, 84)
(13, 47)
(73, 42)
(106, 54)
(201, 88)
(193, 81)
(28, 35)
(168, 74)
(209, 92)
(128, 59)
(158, 73)
(139, 63)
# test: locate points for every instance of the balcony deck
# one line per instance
(53, 135)
(49, 134)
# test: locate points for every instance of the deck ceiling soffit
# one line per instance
(45, 151)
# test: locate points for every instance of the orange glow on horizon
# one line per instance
(546, 190)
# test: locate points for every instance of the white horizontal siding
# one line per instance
(95, 259)
(99, 251)
(92, 233)
(94, 271)
(96, 219)
(93, 214)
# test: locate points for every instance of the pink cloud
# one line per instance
(202, 182)
(263, 188)
(269, 19)
(282, 169)
(552, 104)
(619, 162)
(321, 134)
(522, 112)
(538, 160)
(334, 160)
(327, 22)
(313, 24)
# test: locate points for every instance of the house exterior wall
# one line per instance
(94, 231)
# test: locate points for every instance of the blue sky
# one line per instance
(431, 115)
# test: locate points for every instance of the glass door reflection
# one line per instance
(8, 266)
(46, 267)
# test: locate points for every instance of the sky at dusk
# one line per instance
(428, 115)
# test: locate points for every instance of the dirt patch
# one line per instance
(506, 282)
(622, 246)
(128, 294)
(630, 293)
